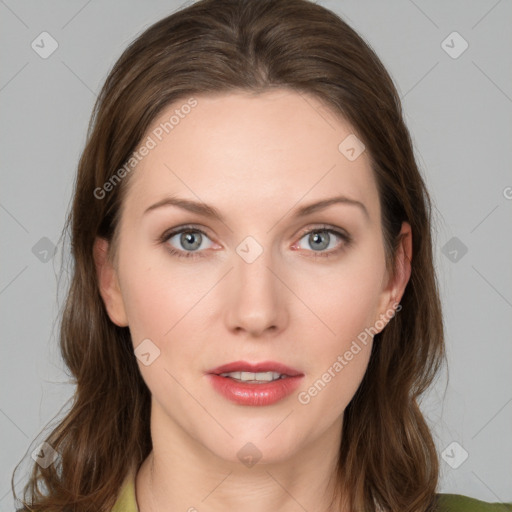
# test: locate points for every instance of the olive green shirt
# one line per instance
(126, 502)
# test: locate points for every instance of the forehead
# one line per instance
(260, 150)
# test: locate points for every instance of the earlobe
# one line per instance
(108, 283)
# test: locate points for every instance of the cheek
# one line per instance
(338, 359)
(328, 393)
(151, 305)
(164, 299)
(344, 298)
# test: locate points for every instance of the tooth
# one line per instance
(253, 377)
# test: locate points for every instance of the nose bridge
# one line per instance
(256, 304)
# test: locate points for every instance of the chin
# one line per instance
(257, 444)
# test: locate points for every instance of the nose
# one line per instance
(257, 301)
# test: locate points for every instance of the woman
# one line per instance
(254, 312)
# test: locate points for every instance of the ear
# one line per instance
(108, 283)
(395, 287)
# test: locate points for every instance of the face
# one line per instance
(262, 281)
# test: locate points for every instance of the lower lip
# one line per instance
(244, 393)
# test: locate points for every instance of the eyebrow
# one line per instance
(209, 211)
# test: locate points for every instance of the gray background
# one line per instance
(459, 113)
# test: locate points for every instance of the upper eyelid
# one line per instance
(169, 233)
(326, 227)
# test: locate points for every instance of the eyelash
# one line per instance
(198, 254)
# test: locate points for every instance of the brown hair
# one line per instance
(387, 458)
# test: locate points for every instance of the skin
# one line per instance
(256, 158)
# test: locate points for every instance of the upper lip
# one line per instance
(264, 366)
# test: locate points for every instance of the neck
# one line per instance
(182, 474)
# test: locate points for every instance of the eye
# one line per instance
(322, 238)
(188, 243)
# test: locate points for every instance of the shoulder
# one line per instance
(460, 503)
(126, 500)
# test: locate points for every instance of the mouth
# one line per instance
(254, 378)
(255, 383)
(267, 371)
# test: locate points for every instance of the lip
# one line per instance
(244, 393)
(265, 366)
